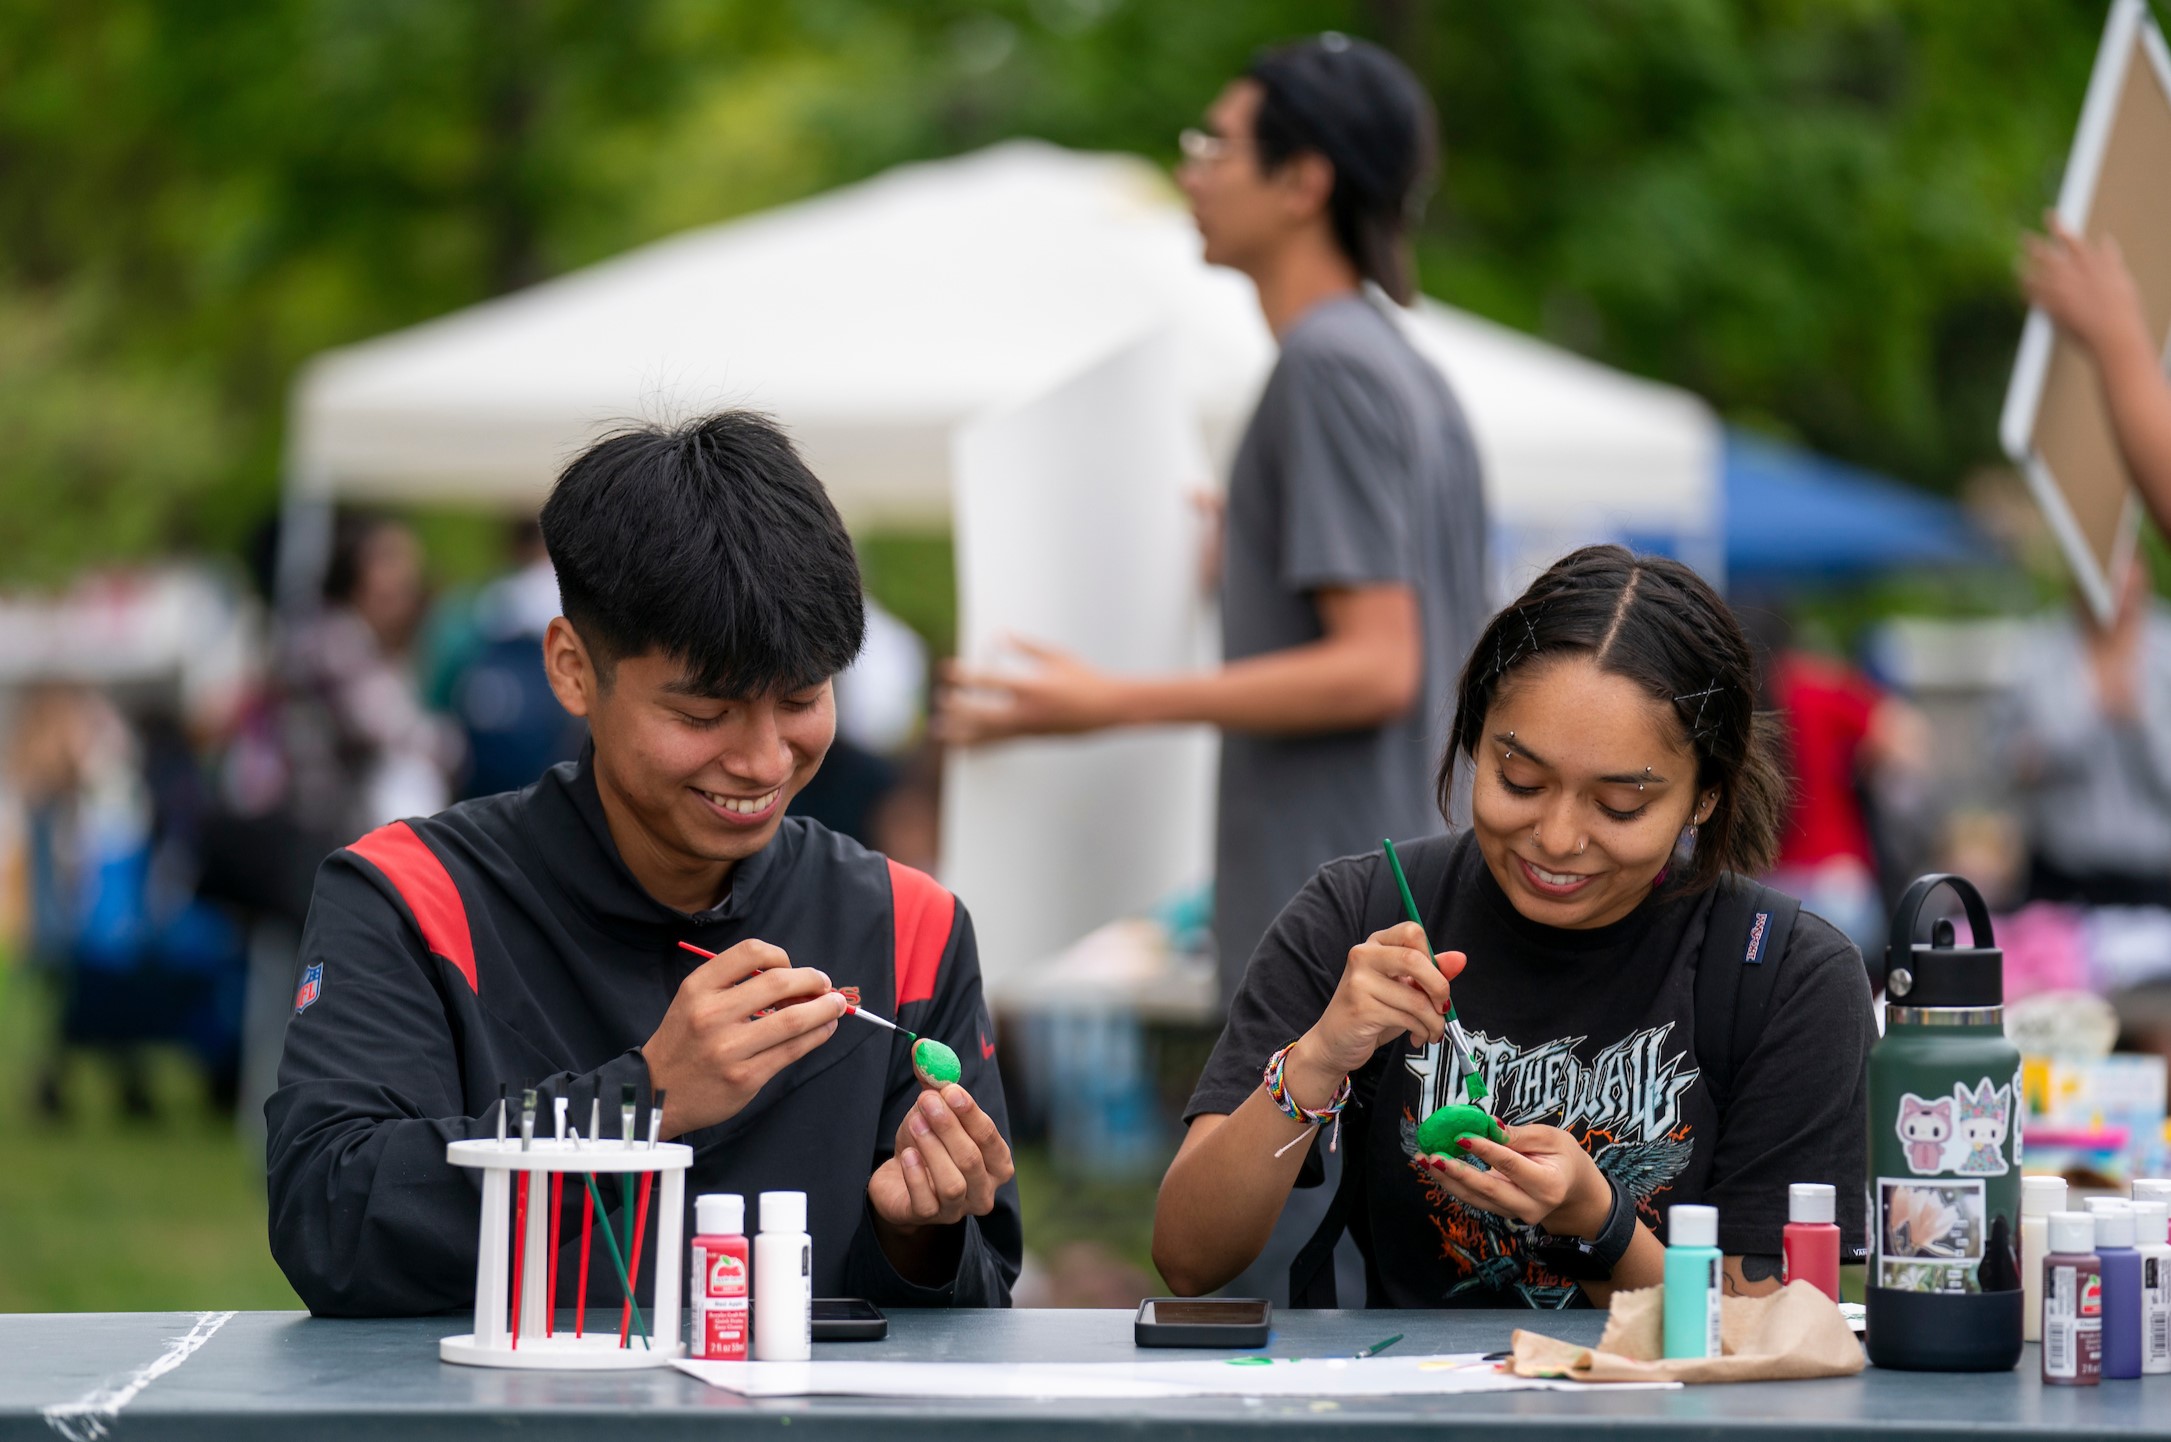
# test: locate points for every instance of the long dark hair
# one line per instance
(1657, 623)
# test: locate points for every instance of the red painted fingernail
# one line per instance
(1436, 1164)
(1463, 1142)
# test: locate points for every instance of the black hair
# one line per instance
(1361, 109)
(1661, 625)
(710, 542)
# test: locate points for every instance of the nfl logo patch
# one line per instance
(312, 985)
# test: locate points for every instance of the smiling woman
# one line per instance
(1619, 777)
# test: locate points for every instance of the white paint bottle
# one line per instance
(2039, 1197)
(783, 1280)
(2151, 1221)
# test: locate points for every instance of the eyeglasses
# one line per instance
(1198, 146)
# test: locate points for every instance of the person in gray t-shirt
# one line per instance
(1353, 570)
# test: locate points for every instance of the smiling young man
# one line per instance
(532, 939)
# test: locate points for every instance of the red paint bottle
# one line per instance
(1811, 1240)
(718, 1278)
(2072, 1303)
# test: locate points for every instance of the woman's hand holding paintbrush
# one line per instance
(738, 1019)
(1389, 984)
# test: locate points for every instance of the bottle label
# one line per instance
(1930, 1234)
(720, 1330)
(1713, 1347)
(2058, 1320)
(724, 1276)
(2156, 1314)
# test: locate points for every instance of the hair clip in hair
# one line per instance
(1697, 729)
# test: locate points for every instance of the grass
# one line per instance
(105, 1213)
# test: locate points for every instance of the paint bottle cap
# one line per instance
(1690, 1226)
(783, 1211)
(720, 1214)
(2114, 1221)
(2072, 1233)
(2152, 1189)
(1810, 1202)
(2040, 1196)
(2151, 1220)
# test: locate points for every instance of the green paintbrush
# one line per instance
(610, 1242)
(1472, 1082)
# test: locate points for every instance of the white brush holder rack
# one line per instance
(540, 1348)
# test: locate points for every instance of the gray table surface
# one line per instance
(282, 1374)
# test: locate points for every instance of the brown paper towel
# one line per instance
(1790, 1334)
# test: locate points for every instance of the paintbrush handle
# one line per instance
(878, 1021)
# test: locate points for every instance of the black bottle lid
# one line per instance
(1938, 972)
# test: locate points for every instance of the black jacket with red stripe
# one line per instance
(503, 942)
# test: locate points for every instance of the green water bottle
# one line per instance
(1944, 1149)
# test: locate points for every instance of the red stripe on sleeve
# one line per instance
(924, 912)
(427, 888)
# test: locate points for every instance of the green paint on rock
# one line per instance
(1438, 1133)
(936, 1064)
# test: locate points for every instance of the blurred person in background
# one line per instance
(1352, 574)
(494, 684)
(2086, 732)
(113, 820)
(1844, 743)
(359, 747)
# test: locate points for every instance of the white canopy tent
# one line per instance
(876, 320)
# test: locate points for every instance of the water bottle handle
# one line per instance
(1903, 917)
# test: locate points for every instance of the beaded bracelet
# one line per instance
(1277, 1092)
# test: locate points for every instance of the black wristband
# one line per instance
(1593, 1259)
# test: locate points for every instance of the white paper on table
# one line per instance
(1075, 526)
(1337, 1377)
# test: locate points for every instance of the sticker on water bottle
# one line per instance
(1930, 1235)
(1964, 1132)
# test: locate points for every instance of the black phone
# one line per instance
(848, 1319)
(1203, 1322)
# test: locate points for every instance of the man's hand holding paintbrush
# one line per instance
(738, 1019)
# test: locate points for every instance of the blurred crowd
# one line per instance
(160, 830)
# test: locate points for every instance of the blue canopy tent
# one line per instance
(1794, 517)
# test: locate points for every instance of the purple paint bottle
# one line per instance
(2121, 1287)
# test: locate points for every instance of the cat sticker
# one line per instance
(1964, 1133)
(1925, 1127)
(1983, 1118)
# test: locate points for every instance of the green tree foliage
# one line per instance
(1806, 210)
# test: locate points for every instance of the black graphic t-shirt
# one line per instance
(1592, 1031)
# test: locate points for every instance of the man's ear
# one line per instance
(1306, 180)
(572, 671)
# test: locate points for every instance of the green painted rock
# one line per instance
(1438, 1133)
(934, 1064)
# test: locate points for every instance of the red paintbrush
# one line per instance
(520, 1247)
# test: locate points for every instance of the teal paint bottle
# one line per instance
(1692, 1281)
(1945, 1289)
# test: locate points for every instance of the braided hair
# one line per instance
(1659, 624)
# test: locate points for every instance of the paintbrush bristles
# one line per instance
(880, 1021)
